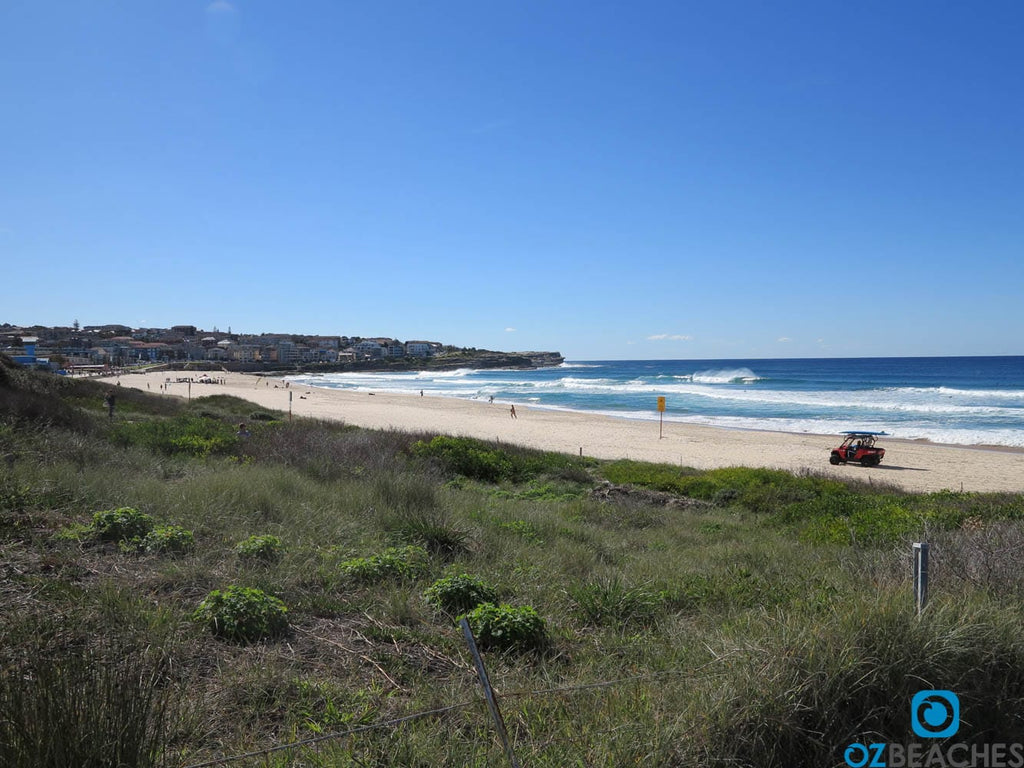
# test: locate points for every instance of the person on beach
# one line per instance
(512, 413)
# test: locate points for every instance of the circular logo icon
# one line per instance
(935, 714)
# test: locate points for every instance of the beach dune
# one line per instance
(910, 465)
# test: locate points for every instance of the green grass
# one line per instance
(768, 627)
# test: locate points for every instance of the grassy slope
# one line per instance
(770, 626)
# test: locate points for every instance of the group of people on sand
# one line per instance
(512, 408)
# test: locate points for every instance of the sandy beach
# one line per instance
(912, 465)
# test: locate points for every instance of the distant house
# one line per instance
(368, 348)
(246, 353)
(288, 352)
(151, 351)
(28, 344)
(421, 348)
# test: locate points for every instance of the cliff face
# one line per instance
(489, 359)
(543, 359)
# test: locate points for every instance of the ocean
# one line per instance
(959, 400)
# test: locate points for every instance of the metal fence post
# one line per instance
(492, 702)
(920, 576)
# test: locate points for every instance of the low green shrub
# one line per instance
(169, 539)
(266, 547)
(243, 614)
(479, 460)
(394, 563)
(509, 628)
(189, 435)
(460, 593)
(464, 456)
(122, 524)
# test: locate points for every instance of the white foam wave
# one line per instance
(725, 376)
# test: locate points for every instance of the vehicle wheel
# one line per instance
(833, 459)
(869, 461)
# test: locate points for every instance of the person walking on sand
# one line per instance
(512, 413)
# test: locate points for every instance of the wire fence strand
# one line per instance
(443, 710)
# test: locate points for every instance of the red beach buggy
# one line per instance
(858, 446)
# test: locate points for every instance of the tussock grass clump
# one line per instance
(805, 691)
(613, 602)
(243, 614)
(395, 563)
(411, 514)
(460, 593)
(65, 700)
(431, 529)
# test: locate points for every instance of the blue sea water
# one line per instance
(961, 400)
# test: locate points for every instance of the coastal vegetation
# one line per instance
(173, 593)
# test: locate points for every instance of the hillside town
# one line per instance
(81, 347)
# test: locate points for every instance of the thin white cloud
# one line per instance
(784, 340)
(510, 330)
(670, 337)
(220, 6)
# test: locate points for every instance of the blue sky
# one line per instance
(611, 180)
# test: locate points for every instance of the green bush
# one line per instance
(507, 627)
(391, 564)
(169, 539)
(121, 524)
(267, 548)
(243, 614)
(460, 593)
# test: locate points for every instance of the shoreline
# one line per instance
(912, 465)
